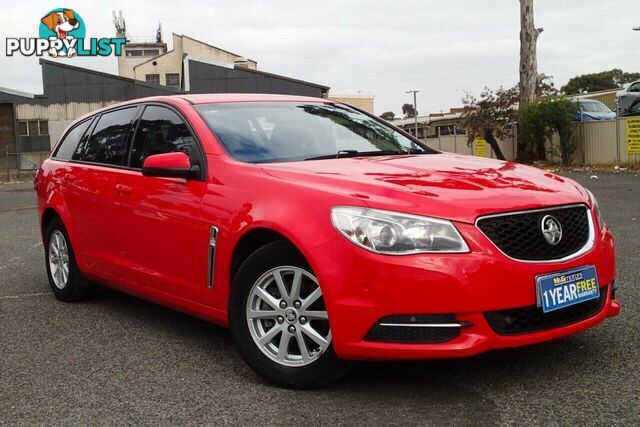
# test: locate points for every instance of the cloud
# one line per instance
(385, 47)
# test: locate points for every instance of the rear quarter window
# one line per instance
(71, 140)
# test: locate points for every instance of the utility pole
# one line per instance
(415, 112)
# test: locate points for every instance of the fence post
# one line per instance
(584, 150)
(617, 140)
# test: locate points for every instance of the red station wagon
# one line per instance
(319, 234)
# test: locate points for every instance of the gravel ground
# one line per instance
(119, 360)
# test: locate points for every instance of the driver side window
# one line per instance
(634, 88)
(162, 131)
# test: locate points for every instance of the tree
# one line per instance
(490, 117)
(528, 61)
(558, 114)
(408, 110)
(604, 80)
(533, 131)
(388, 116)
(539, 120)
(529, 79)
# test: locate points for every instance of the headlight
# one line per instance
(596, 208)
(396, 233)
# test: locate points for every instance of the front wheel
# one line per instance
(279, 321)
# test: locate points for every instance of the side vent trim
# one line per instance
(211, 261)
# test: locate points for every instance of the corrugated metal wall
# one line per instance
(74, 84)
(458, 144)
(209, 78)
(597, 143)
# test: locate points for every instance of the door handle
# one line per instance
(123, 189)
(67, 178)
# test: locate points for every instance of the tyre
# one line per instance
(279, 322)
(66, 281)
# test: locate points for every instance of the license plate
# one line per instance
(559, 290)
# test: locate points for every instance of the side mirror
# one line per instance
(170, 165)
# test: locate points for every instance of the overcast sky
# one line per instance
(442, 48)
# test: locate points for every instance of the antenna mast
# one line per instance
(118, 22)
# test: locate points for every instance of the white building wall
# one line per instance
(171, 62)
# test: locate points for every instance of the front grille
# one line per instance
(382, 332)
(532, 319)
(519, 235)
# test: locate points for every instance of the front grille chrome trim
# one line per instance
(586, 248)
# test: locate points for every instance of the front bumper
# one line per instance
(361, 287)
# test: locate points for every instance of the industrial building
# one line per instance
(31, 124)
(434, 124)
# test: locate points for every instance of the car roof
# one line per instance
(207, 99)
(245, 97)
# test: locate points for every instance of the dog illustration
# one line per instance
(61, 23)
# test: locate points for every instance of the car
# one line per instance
(633, 110)
(627, 96)
(318, 233)
(588, 110)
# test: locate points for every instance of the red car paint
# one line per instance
(148, 236)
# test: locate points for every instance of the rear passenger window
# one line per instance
(162, 131)
(108, 139)
(71, 140)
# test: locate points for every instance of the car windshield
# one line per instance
(594, 107)
(262, 132)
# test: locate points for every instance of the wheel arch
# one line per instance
(48, 215)
(251, 241)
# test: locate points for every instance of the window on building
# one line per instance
(44, 127)
(445, 130)
(33, 127)
(107, 142)
(153, 78)
(143, 52)
(162, 131)
(172, 79)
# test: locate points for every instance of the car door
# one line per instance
(88, 185)
(162, 242)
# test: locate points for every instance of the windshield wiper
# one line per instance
(355, 153)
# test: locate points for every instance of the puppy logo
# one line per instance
(63, 24)
(61, 32)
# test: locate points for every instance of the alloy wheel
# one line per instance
(287, 317)
(59, 259)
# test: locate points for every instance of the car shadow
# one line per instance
(462, 391)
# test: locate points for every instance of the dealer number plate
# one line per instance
(567, 288)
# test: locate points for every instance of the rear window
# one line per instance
(71, 140)
(108, 139)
